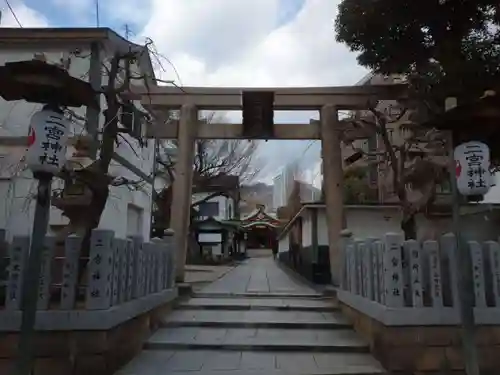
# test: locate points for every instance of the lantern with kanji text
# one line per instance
(47, 141)
(472, 168)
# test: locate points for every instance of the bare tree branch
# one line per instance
(413, 177)
(213, 158)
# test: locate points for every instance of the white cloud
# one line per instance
(76, 7)
(26, 16)
(111, 12)
(236, 43)
(214, 32)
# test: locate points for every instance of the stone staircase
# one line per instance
(269, 334)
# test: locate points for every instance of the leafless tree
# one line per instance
(414, 162)
(95, 179)
(213, 158)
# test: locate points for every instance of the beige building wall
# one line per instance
(397, 135)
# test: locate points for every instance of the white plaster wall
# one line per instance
(307, 233)
(15, 115)
(322, 228)
(14, 121)
(364, 222)
(377, 222)
(17, 192)
(115, 215)
(224, 204)
(16, 210)
(142, 157)
(480, 226)
(284, 244)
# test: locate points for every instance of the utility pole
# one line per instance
(128, 32)
(463, 266)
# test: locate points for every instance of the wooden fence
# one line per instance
(417, 282)
(117, 271)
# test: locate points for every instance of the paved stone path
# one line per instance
(255, 320)
(258, 276)
(197, 276)
(258, 253)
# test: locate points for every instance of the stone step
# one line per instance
(287, 295)
(255, 319)
(256, 339)
(281, 304)
(201, 362)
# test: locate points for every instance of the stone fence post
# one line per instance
(345, 240)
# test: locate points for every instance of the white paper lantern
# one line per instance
(47, 141)
(472, 160)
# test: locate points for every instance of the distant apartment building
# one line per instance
(218, 199)
(128, 210)
(378, 172)
(283, 185)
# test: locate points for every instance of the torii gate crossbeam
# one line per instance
(328, 100)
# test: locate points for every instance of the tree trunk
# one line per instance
(409, 227)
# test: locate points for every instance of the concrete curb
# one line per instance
(258, 295)
(259, 347)
(186, 306)
(280, 325)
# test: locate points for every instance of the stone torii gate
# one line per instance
(258, 105)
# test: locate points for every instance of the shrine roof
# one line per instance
(259, 214)
(233, 224)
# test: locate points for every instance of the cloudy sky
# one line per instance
(222, 42)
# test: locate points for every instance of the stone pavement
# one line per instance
(258, 253)
(256, 320)
(258, 276)
(199, 275)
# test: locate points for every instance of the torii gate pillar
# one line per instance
(333, 181)
(181, 195)
(328, 99)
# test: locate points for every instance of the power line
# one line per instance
(13, 13)
(297, 160)
(307, 148)
(294, 163)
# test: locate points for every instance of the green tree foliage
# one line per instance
(445, 47)
(356, 188)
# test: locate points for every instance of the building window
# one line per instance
(207, 209)
(230, 212)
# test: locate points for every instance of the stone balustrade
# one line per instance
(402, 297)
(95, 323)
(122, 279)
(400, 281)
